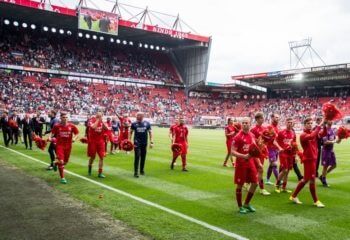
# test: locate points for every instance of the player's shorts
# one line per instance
(63, 152)
(229, 146)
(328, 158)
(309, 169)
(286, 161)
(96, 147)
(273, 155)
(246, 173)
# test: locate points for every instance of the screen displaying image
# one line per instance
(98, 21)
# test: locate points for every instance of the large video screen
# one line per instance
(98, 21)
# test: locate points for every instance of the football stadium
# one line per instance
(111, 130)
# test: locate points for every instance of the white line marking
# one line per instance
(144, 201)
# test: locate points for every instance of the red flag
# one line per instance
(331, 112)
(343, 132)
(127, 145)
(176, 148)
(254, 150)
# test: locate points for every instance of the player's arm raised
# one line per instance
(104, 125)
(313, 134)
(95, 124)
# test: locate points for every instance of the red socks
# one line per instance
(61, 170)
(99, 170)
(261, 184)
(239, 197)
(183, 158)
(284, 185)
(313, 192)
(300, 186)
(248, 198)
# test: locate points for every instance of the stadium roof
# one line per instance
(145, 26)
(321, 76)
(231, 87)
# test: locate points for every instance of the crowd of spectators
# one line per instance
(25, 92)
(84, 56)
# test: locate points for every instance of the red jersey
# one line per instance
(270, 144)
(172, 129)
(96, 134)
(308, 140)
(109, 128)
(230, 129)
(125, 124)
(124, 132)
(180, 133)
(257, 131)
(285, 139)
(241, 142)
(64, 133)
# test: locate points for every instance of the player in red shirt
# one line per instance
(96, 142)
(230, 132)
(273, 150)
(124, 132)
(257, 131)
(180, 137)
(172, 132)
(245, 171)
(285, 139)
(109, 135)
(63, 133)
(308, 140)
(172, 129)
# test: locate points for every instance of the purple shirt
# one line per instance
(331, 135)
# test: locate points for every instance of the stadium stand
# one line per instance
(29, 93)
(62, 53)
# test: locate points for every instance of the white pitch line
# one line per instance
(141, 200)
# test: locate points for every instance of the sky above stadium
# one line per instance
(252, 36)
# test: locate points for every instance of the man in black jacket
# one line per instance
(6, 130)
(51, 150)
(38, 123)
(27, 125)
(15, 124)
(104, 24)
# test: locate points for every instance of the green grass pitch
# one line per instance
(206, 193)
